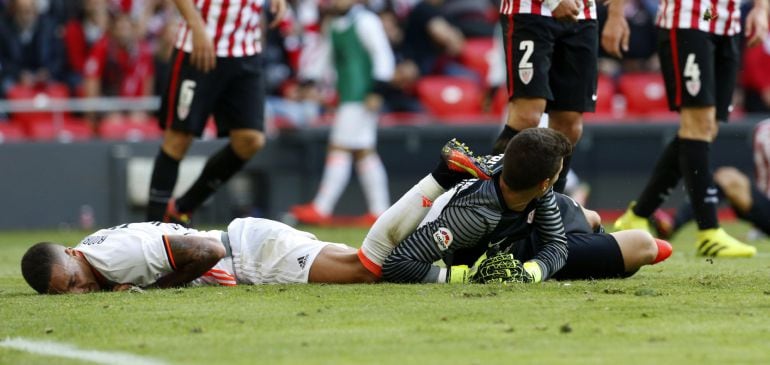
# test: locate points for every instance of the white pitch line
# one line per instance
(69, 351)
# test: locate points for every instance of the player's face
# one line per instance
(72, 275)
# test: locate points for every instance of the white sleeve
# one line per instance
(372, 35)
(127, 255)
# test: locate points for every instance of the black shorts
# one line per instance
(592, 256)
(700, 69)
(233, 92)
(553, 60)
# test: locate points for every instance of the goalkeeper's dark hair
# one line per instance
(36, 265)
(533, 155)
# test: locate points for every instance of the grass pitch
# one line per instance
(686, 310)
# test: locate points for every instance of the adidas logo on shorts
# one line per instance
(302, 261)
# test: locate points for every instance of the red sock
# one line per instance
(664, 251)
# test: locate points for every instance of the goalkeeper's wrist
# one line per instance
(551, 4)
(459, 274)
(533, 269)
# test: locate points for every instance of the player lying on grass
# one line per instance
(517, 212)
(745, 198)
(252, 251)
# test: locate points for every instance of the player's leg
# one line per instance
(528, 42)
(639, 248)
(675, 48)
(337, 168)
(403, 217)
(339, 264)
(573, 77)
(701, 109)
(746, 200)
(607, 256)
(185, 107)
(369, 167)
(239, 114)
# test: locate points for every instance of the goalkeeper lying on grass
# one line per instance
(251, 251)
(517, 214)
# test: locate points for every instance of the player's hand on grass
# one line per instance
(566, 10)
(502, 268)
(203, 56)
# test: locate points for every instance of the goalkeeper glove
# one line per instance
(502, 268)
(459, 274)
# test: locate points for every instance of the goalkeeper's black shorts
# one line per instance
(592, 256)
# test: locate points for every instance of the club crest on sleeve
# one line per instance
(443, 238)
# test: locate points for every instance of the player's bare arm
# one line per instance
(564, 10)
(756, 23)
(203, 56)
(190, 257)
(616, 33)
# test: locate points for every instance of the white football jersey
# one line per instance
(135, 252)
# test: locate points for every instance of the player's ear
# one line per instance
(70, 251)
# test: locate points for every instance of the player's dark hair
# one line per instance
(36, 265)
(532, 156)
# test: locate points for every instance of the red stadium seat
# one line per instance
(131, 131)
(605, 91)
(449, 96)
(40, 94)
(70, 130)
(10, 133)
(645, 93)
(474, 55)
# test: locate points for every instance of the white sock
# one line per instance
(334, 181)
(374, 183)
(400, 220)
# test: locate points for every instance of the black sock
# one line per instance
(561, 183)
(219, 168)
(502, 140)
(664, 178)
(444, 176)
(164, 175)
(694, 160)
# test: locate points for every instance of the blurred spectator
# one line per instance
(474, 18)
(120, 64)
(299, 106)
(80, 34)
(430, 41)
(756, 78)
(163, 50)
(30, 52)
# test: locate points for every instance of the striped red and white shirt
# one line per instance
(512, 7)
(721, 17)
(233, 25)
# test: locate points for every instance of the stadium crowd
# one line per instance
(449, 62)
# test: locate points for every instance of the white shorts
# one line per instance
(354, 128)
(270, 252)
